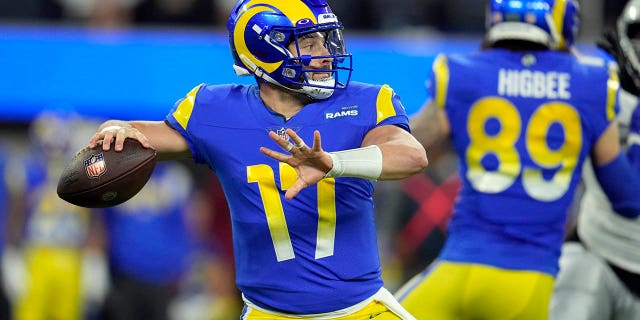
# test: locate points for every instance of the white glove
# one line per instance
(95, 277)
(14, 273)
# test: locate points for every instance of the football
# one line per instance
(98, 179)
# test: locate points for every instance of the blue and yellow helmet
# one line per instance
(54, 133)
(261, 30)
(553, 23)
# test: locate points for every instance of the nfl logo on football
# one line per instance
(95, 166)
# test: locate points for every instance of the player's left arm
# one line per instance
(615, 174)
(402, 154)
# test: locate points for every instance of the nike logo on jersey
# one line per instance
(351, 111)
(534, 84)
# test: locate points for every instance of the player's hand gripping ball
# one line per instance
(98, 179)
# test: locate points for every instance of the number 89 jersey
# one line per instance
(522, 124)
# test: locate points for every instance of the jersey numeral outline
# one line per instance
(563, 159)
(264, 176)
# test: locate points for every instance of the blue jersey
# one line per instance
(153, 220)
(317, 252)
(522, 125)
(49, 220)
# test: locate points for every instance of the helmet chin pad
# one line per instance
(322, 88)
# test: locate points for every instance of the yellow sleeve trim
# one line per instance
(558, 13)
(441, 71)
(613, 84)
(384, 104)
(185, 108)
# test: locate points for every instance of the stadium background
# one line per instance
(132, 59)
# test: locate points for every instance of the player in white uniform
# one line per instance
(600, 265)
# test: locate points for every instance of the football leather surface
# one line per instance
(98, 179)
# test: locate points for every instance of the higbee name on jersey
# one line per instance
(534, 84)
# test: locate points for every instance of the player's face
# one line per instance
(313, 44)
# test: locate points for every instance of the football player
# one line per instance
(600, 266)
(523, 113)
(51, 244)
(304, 233)
(144, 279)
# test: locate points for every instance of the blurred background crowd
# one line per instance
(166, 254)
(459, 16)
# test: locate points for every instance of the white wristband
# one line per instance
(360, 163)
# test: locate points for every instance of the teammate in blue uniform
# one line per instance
(302, 216)
(50, 242)
(523, 114)
(145, 277)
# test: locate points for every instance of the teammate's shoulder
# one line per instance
(595, 66)
(592, 60)
(461, 60)
(447, 58)
(458, 57)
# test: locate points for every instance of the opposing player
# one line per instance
(523, 114)
(304, 233)
(599, 274)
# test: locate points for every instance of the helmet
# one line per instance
(628, 29)
(57, 133)
(260, 32)
(52, 133)
(552, 23)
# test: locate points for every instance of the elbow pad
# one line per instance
(621, 184)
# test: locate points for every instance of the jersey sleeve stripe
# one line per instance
(558, 17)
(633, 139)
(441, 71)
(384, 104)
(613, 84)
(185, 108)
